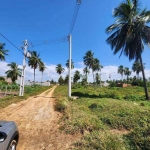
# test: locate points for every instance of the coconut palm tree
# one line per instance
(14, 72)
(91, 62)
(34, 61)
(72, 64)
(42, 69)
(130, 32)
(2, 52)
(88, 59)
(137, 67)
(59, 69)
(121, 70)
(127, 72)
(96, 66)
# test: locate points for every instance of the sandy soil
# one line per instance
(38, 123)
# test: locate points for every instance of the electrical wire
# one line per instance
(56, 40)
(76, 10)
(11, 43)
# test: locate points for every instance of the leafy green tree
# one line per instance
(72, 64)
(52, 81)
(42, 69)
(2, 51)
(127, 72)
(60, 80)
(130, 32)
(59, 69)
(14, 72)
(121, 70)
(34, 61)
(76, 76)
(2, 79)
(137, 67)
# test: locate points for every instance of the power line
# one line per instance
(56, 40)
(76, 10)
(10, 42)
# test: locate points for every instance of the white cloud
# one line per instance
(50, 72)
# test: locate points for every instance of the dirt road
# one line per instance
(38, 123)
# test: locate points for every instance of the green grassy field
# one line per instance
(29, 91)
(107, 122)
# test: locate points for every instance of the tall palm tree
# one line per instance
(14, 72)
(2, 52)
(89, 61)
(121, 70)
(137, 67)
(96, 66)
(72, 64)
(42, 69)
(59, 69)
(130, 32)
(127, 72)
(34, 61)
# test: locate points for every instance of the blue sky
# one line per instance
(40, 20)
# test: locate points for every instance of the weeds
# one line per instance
(95, 114)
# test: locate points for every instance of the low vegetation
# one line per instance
(28, 91)
(106, 123)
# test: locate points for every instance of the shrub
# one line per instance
(61, 105)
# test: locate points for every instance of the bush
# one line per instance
(61, 105)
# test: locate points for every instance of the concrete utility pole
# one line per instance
(26, 54)
(69, 72)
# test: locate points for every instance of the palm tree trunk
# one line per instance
(42, 79)
(93, 76)
(144, 80)
(34, 76)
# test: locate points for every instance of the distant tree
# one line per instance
(3, 52)
(42, 69)
(52, 81)
(130, 32)
(34, 61)
(60, 80)
(84, 80)
(59, 69)
(72, 64)
(97, 78)
(86, 71)
(96, 66)
(91, 62)
(76, 76)
(137, 67)
(66, 79)
(2, 79)
(14, 72)
(121, 70)
(127, 72)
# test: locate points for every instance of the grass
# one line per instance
(106, 123)
(29, 91)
